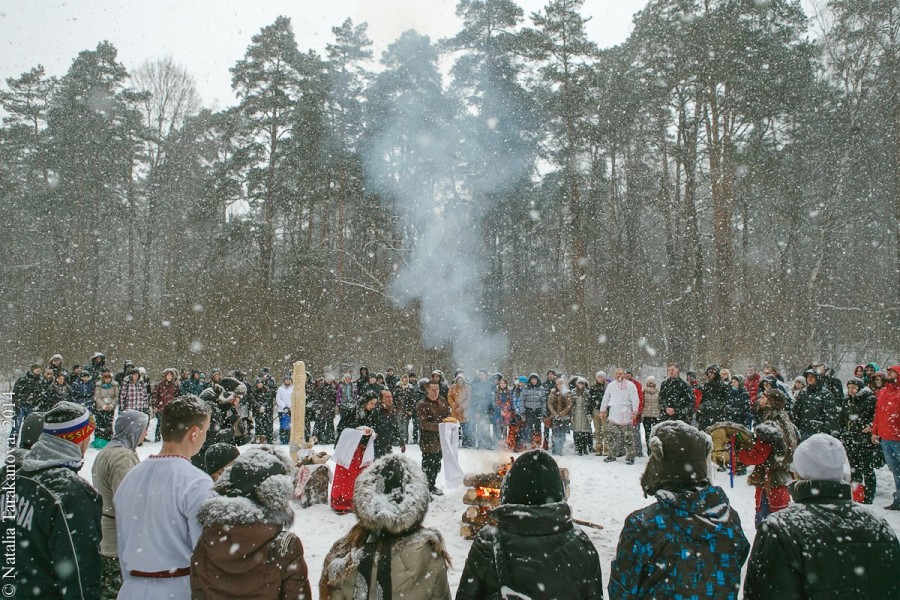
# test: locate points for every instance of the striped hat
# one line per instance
(69, 421)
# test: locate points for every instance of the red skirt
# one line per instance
(344, 480)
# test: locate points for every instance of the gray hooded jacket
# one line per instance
(111, 466)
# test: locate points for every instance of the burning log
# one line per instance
(483, 480)
(474, 498)
(484, 494)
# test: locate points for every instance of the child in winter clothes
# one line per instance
(106, 397)
(56, 392)
(283, 405)
(388, 553)
(83, 391)
(776, 439)
(559, 407)
(246, 549)
(582, 415)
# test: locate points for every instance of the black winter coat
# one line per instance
(857, 414)
(738, 408)
(260, 402)
(28, 391)
(595, 394)
(816, 410)
(542, 554)
(387, 429)
(676, 393)
(823, 547)
(57, 533)
(714, 407)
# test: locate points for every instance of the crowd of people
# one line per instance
(169, 526)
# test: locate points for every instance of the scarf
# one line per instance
(377, 550)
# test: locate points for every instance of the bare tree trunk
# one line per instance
(267, 237)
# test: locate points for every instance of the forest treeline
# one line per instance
(723, 186)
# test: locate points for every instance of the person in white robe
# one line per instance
(157, 505)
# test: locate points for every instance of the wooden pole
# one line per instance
(298, 409)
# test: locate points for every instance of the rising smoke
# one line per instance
(444, 168)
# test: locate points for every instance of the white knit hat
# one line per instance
(822, 458)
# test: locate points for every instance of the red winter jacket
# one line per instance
(640, 390)
(887, 411)
(752, 386)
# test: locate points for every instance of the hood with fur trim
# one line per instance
(269, 500)
(391, 495)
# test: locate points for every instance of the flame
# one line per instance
(487, 492)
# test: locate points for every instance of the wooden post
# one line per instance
(298, 409)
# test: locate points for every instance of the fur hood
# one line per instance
(391, 495)
(269, 500)
(344, 556)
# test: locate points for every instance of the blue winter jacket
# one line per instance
(689, 544)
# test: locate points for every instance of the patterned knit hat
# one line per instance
(69, 421)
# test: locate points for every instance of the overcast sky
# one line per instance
(208, 36)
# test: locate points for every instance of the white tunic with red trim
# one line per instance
(156, 525)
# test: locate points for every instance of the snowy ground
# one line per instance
(603, 493)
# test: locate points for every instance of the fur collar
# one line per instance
(273, 508)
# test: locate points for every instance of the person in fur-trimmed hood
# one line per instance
(536, 550)
(388, 553)
(776, 437)
(689, 544)
(246, 550)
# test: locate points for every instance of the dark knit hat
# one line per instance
(533, 479)
(32, 427)
(679, 455)
(218, 456)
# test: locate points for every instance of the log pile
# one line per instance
(483, 494)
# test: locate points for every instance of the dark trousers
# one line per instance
(531, 433)
(431, 464)
(104, 421)
(324, 428)
(649, 422)
(582, 442)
